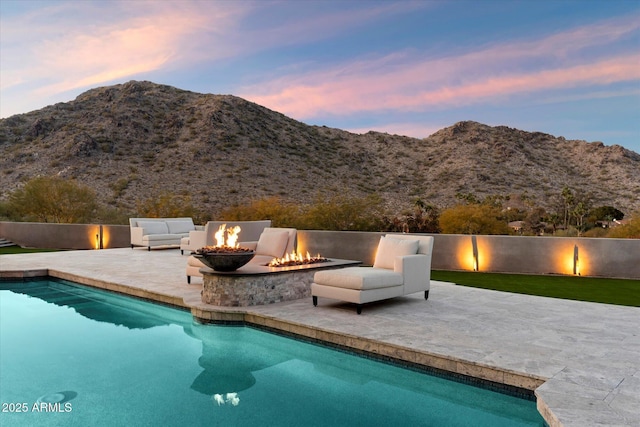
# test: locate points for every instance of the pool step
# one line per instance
(4, 243)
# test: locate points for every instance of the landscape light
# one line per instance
(474, 249)
(100, 239)
(576, 261)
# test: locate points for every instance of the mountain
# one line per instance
(139, 139)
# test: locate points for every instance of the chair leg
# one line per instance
(426, 294)
(181, 252)
(188, 280)
(315, 301)
(359, 308)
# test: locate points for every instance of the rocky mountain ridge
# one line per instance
(136, 140)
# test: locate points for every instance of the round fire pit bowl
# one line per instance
(225, 261)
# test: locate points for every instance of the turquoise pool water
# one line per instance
(71, 355)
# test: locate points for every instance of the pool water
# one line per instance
(71, 355)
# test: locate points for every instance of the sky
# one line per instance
(567, 68)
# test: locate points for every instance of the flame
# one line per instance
(219, 235)
(232, 236)
(296, 259)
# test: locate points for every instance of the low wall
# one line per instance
(65, 236)
(506, 254)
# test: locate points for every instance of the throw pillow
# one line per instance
(390, 248)
(273, 243)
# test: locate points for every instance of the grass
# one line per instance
(603, 290)
(19, 250)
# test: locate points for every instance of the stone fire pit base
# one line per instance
(260, 285)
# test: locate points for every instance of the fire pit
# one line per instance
(296, 259)
(225, 256)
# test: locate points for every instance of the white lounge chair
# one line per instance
(402, 266)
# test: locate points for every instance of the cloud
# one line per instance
(406, 81)
(95, 43)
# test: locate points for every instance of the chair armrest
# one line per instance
(415, 270)
(136, 236)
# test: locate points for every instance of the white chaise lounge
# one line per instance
(402, 266)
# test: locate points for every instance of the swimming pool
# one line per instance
(71, 355)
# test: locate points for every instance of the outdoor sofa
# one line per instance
(152, 232)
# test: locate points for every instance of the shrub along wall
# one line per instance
(598, 257)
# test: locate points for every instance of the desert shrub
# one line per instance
(53, 199)
(112, 215)
(596, 232)
(281, 213)
(119, 186)
(473, 219)
(336, 213)
(169, 205)
(344, 213)
(630, 230)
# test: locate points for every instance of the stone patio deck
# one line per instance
(582, 359)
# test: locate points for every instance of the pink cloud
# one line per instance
(87, 48)
(406, 81)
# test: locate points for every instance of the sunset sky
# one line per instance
(568, 68)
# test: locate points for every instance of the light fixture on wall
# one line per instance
(474, 249)
(576, 261)
(99, 239)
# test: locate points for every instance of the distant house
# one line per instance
(611, 224)
(517, 226)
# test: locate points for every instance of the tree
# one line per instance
(569, 200)
(472, 219)
(605, 214)
(53, 199)
(423, 218)
(533, 224)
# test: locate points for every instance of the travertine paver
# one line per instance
(588, 353)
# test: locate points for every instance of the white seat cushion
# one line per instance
(153, 227)
(358, 278)
(390, 248)
(156, 237)
(180, 226)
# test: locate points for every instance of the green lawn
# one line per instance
(609, 291)
(19, 250)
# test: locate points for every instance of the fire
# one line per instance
(296, 259)
(232, 236)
